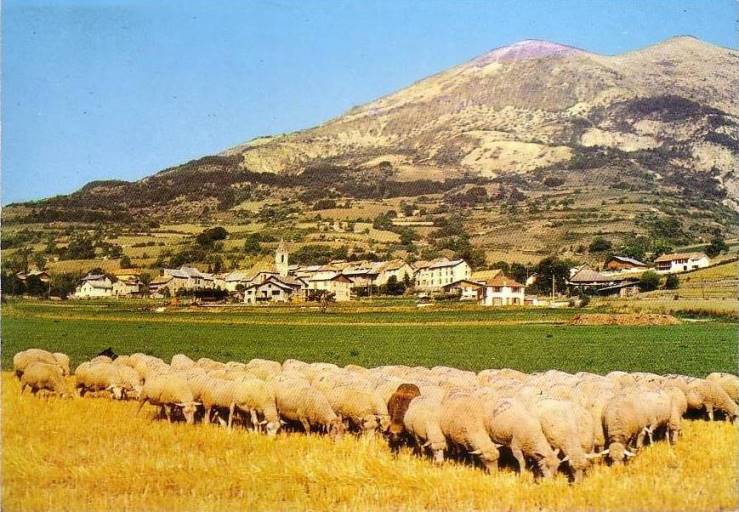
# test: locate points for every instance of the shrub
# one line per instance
(649, 281)
(672, 282)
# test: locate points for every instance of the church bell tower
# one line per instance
(281, 259)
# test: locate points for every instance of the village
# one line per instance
(342, 281)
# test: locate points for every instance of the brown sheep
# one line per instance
(397, 407)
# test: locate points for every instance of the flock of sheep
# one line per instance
(547, 421)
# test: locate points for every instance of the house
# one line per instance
(333, 282)
(232, 280)
(128, 286)
(190, 278)
(502, 291)
(681, 262)
(163, 286)
(394, 268)
(433, 275)
(94, 286)
(465, 289)
(276, 289)
(617, 263)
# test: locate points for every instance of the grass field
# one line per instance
(526, 339)
(57, 457)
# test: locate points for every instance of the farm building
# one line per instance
(502, 291)
(681, 262)
(616, 263)
(592, 281)
(433, 275)
(42, 275)
(94, 286)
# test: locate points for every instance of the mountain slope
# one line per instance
(534, 123)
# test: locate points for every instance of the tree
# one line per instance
(252, 245)
(649, 281)
(716, 247)
(519, 272)
(125, 262)
(211, 235)
(551, 269)
(600, 244)
(80, 248)
(672, 282)
(502, 265)
(394, 287)
(407, 236)
(39, 261)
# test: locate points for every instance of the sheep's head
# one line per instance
(336, 429)
(695, 401)
(272, 427)
(188, 410)
(489, 456)
(384, 422)
(618, 453)
(548, 463)
(116, 392)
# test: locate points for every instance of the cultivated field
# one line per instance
(371, 335)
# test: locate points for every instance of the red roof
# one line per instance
(503, 280)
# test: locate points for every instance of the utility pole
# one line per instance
(553, 285)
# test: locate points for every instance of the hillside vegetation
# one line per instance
(538, 147)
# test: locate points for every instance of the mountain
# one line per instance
(534, 122)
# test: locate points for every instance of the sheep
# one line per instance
(62, 360)
(728, 381)
(21, 360)
(293, 365)
(508, 423)
(181, 362)
(263, 368)
(707, 394)
(169, 391)
(558, 420)
(463, 425)
(43, 376)
(422, 422)
(258, 398)
(308, 406)
(96, 377)
(622, 424)
(397, 407)
(101, 359)
(363, 409)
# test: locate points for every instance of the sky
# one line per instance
(105, 89)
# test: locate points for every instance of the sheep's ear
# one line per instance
(180, 404)
(629, 454)
(556, 452)
(497, 445)
(564, 460)
(264, 422)
(283, 422)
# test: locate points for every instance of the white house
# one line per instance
(681, 262)
(503, 291)
(94, 286)
(276, 289)
(433, 275)
(128, 286)
(189, 278)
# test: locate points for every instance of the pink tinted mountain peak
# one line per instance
(525, 50)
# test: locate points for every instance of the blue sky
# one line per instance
(122, 89)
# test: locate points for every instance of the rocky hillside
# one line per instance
(661, 120)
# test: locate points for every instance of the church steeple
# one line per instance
(281, 259)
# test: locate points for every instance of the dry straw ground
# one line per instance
(94, 454)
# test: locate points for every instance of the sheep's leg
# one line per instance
(306, 425)
(231, 414)
(709, 409)
(207, 415)
(23, 387)
(254, 420)
(141, 404)
(640, 439)
(167, 413)
(650, 433)
(518, 455)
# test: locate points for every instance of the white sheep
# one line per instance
(169, 392)
(308, 406)
(40, 376)
(462, 423)
(422, 422)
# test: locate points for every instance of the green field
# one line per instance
(468, 338)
